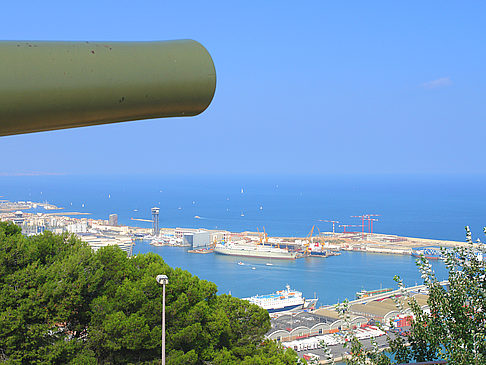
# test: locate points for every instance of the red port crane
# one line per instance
(370, 220)
(371, 226)
(349, 225)
(362, 223)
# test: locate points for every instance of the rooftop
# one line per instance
(305, 319)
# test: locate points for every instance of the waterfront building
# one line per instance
(113, 220)
(295, 326)
(199, 238)
(78, 227)
(96, 242)
(218, 236)
(30, 230)
(18, 218)
(385, 310)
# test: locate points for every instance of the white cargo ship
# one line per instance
(282, 301)
(254, 251)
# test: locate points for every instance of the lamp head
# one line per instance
(162, 279)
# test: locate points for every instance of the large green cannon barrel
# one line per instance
(55, 85)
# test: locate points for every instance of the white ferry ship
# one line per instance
(282, 301)
(254, 251)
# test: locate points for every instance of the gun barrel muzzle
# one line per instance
(56, 85)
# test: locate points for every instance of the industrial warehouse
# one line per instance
(322, 330)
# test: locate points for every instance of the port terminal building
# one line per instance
(197, 238)
(386, 310)
(96, 242)
(326, 320)
(301, 325)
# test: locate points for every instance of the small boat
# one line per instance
(197, 217)
(242, 215)
(269, 264)
(253, 268)
(240, 263)
(201, 250)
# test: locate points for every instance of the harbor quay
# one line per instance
(315, 333)
(36, 217)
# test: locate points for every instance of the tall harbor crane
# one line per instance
(370, 221)
(309, 240)
(369, 218)
(349, 225)
(265, 237)
(362, 223)
(333, 223)
(260, 240)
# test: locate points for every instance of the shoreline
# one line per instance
(59, 222)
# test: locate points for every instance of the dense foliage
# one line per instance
(60, 303)
(455, 328)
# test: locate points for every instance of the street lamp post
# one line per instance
(163, 280)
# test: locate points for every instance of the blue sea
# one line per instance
(427, 206)
(331, 279)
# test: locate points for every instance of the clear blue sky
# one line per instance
(303, 87)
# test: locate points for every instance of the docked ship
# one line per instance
(316, 249)
(262, 251)
(282, 301)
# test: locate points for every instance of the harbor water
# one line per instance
(431, 206)
(426, 206)
(330, 279)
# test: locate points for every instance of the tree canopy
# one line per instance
(60, 303)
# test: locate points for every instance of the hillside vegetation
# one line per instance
(60, 303)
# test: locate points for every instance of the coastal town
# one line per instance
(317, 333)
(35, 218)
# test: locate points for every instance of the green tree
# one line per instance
(60, 303)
